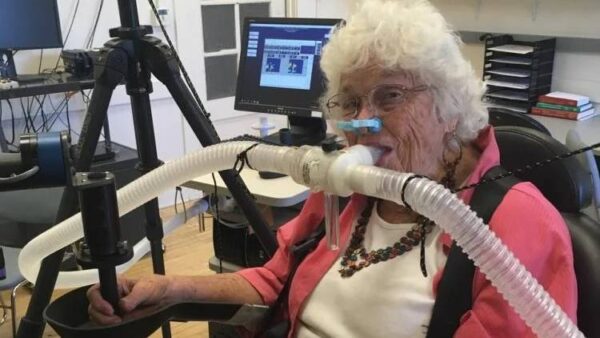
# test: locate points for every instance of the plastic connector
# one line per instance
(341, 166)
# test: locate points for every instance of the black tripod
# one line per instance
(132, 56)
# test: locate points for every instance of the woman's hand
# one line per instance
(147, 291)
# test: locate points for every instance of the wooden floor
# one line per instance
(187, 252)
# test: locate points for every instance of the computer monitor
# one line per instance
(279, 72)
(27, 24)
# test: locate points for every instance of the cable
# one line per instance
(29, 106)
(41, 109)
(530, 167)
(12, 122)
(90, 40)
(66, 125)
(68, 118)
(247, 137)
(179, 191)
(215, 224)
(215, 211)
(41, 58)
(26, 128)
(179, 63)
(20, 177)
(68, 34)
(57, 111)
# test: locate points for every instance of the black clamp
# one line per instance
(412, 177)
(103, 248)
(242, 159)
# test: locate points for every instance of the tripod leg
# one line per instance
(32, 324)
(3, 142)
(139, 86)
(144, 132)
(162, 64)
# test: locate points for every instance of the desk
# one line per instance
(276, 192)
(56, 83)
(589, 129)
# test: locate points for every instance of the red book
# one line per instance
(569, 115)
(565, 99)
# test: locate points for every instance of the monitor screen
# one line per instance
(29, 24)
(279, 70)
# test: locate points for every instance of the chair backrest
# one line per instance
(17, 205)
(504, 117)
(588, 162)
(13, 274)
(564, 182)
(568, 187)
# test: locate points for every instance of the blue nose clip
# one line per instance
(372, 125)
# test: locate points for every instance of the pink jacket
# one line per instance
(525, 221)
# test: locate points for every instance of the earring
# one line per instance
(450, 165)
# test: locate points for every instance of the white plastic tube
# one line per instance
(341, 173)
(332, 221)
(533, 304)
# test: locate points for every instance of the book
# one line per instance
(564, 99)
(579, 109)
(563, 114)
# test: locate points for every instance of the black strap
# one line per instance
(454, 294)
(299, 251)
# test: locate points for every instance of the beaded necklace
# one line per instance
(357, 258)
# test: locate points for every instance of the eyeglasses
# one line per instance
(381, 100)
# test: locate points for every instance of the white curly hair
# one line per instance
(409, 36)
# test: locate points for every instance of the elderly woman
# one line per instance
(399, 62)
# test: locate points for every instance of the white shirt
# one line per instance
(387, 299)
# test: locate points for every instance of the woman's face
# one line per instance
(412, 135)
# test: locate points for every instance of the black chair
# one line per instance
(569, 189)
(24, 214)
(504, 117)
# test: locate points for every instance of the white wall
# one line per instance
(558, 18)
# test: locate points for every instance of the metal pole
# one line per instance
(291, 8)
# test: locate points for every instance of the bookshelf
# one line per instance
(517, 72)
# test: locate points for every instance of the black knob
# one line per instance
(285, 136)
(329, 145)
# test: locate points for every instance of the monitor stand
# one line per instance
(303, 131)
(9, 71)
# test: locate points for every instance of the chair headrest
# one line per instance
(564, 183)
(504, 117)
